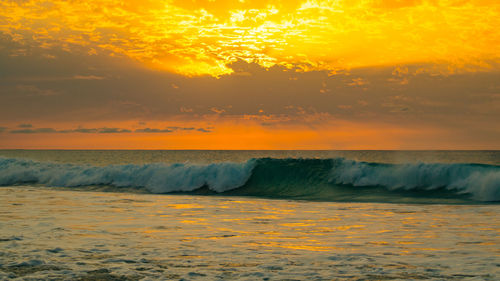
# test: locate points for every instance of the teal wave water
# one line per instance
(335, 179)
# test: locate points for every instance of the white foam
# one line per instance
(157, 178)
(482, 181)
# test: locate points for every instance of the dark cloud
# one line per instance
(36, 131)
(405, 95)
(152, 130)
(173, 129)
(357, 95)
(182, 128)
(85, 130)
(104, 130)
(112, 130)
(25, 126)
(2, 129)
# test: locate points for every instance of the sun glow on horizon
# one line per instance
(203, 37)
(250, 74)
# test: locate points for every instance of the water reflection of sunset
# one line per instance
(205, 233)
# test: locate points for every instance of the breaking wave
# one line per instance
(156, 178)
(336, 179)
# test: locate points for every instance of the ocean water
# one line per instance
(249, 215)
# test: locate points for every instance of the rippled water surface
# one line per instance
(61, 235)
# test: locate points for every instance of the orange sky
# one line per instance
(250, 74)
(202, 36)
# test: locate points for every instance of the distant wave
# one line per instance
(307, 179)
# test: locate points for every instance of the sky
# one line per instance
(250, 74)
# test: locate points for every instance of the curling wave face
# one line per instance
(336, 179)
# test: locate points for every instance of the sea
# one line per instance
(249, 215)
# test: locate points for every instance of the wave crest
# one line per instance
(156, 178)
(482, 181)
(308, 179)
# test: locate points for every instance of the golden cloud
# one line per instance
(202, 37)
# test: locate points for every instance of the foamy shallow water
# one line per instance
(59, 234)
